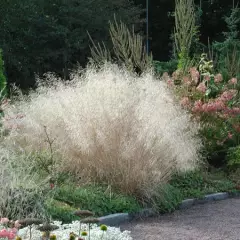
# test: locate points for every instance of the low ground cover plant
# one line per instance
(197, 184)
(100, 200)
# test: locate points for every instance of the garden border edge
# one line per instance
(119, 218)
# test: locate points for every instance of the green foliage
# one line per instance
(233, 158)
(161, 67)
(96, 199)
(228, 51)
(182, 59)
(196, 184)
(205, 65)
(190, 184)
(185, 29)
(167, 198)
(60, 211)
(39, 36)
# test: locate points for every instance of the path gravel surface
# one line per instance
(212, 221)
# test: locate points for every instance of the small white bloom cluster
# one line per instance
(64, 231)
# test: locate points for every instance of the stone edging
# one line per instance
(118, 218)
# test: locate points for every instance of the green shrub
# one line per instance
(228, 51)
(96, 199)
(233, 158)
(169, 67)
(60, 211)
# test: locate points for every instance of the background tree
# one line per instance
(3, 80)
(40, 36)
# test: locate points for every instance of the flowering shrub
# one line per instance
(8, 229)
(65, 230)
(215, 102)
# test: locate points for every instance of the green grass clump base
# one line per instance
(97, 199)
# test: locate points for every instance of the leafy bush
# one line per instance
(162, 67)
(109, 126)
(233, 158)
(214, 102)
(228, 52)
(96, 199)
(60, 211)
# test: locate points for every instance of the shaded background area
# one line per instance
(39, 36)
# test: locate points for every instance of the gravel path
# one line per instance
(212, 221)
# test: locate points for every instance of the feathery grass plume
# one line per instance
(110, 126)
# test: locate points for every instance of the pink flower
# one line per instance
(228, 95)
(187, 80)
(202, 87)
(218, 78)
(197, 106)
(185, 102)
(207, 78)
(4, 220)
(194, 74)
(233, 81)
(11, 235)
(4, 233)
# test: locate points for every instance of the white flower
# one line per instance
(64, 231)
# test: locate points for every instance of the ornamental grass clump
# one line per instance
(22, 191)
(109, 126)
